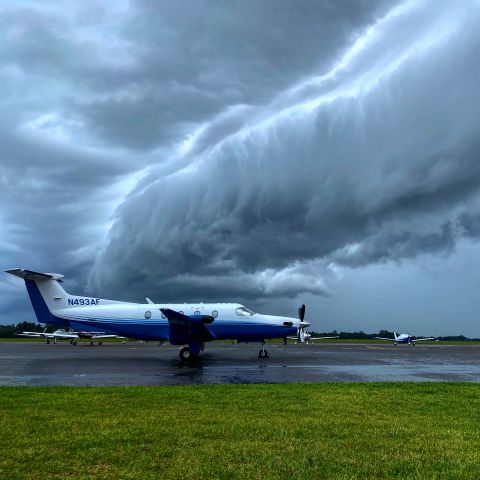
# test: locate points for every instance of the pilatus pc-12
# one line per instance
(189, 325)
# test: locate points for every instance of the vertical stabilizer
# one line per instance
(45, 292)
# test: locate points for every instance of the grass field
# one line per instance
(339, 431)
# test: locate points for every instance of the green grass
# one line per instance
(300, 431)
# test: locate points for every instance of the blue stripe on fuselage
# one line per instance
(159, 330)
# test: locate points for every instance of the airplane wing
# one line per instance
(383, 338)
(323, 338)
(53, 335)
(31, 334)
(186, 329)
(61, 335)
(423, 339)
(94, 337)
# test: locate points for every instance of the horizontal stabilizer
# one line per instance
(31, 275)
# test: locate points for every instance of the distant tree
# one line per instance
(10, 331)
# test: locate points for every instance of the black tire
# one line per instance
(100, 343)
(185, 354)
(262, 354)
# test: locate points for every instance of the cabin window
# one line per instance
(148, 314)
(197, 312)
(181, 311)
(244, 312)
(163, 315)
(215, 314)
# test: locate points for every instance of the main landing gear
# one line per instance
(185, 353)
(190, 352)
(263, 352)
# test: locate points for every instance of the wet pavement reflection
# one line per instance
(36, 364)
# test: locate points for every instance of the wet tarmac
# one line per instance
(115, 364)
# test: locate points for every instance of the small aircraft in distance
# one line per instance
(73, 336)
(405, 338)
(302, 335)
(189, 325)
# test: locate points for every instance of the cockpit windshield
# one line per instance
(244, 312)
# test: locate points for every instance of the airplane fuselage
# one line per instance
(147, 322)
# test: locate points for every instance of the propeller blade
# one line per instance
(301, 312)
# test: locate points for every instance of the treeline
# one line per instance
(385, 334)
(9, 331)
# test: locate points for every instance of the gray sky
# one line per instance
(271, 153)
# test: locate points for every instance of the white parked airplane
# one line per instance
(190, 325)
(302, 335)
(405, 338)
(62, 334)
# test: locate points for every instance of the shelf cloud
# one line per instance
(212, 151)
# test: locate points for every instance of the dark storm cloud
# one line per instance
(373, 159)
(274, 143)
(193, 59)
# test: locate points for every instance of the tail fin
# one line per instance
(395, 335)
(45, 292)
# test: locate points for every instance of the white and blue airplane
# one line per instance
(405, 338)
(188, 325)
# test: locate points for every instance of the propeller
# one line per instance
(302, 325)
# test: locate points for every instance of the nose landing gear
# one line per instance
(263, 352)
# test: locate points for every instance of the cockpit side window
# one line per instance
(244, 312)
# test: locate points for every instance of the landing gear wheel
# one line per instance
(74, 342)
(100, 343)
(91, 343)
(263, 353)
(185, 354)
